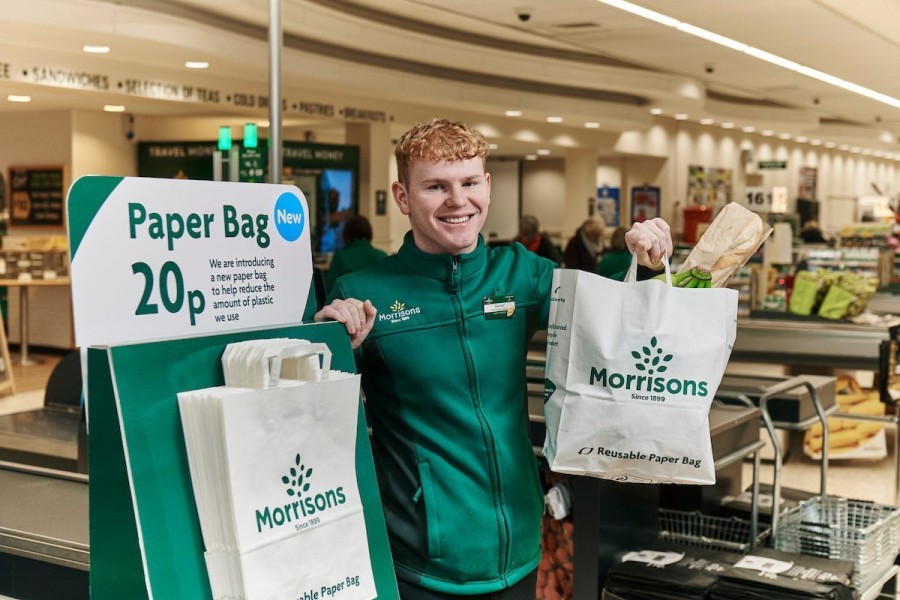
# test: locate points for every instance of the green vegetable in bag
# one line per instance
(836, 303)
(805, 293)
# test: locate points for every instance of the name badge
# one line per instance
(499, 307)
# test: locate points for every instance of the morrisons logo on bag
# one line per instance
(297, 482)
(651, 362)
(399, 312)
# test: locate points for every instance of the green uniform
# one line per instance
(359, 254)
(446, 398)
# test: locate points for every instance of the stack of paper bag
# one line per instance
(272, 464)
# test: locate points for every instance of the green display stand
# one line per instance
(145, 534)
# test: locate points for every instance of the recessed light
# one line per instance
(531, 157)
(681, 117)
(95, 49)
(14, 98)
(707, 121)
(815, 142)
(844, 146)
(784, 136)
(767, 132)
(592, 125)
(493, 146)
(728, 125)
(554, 119)
(830, 145)
(513, 113)
(854, 149)
(196, 64)
(113, 108)
(543, 152)
(748, 129)
(801, 139)
(656, 111)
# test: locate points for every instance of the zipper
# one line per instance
(497, 486)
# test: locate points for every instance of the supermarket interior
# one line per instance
(592, 111)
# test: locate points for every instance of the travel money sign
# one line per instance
(161, 258)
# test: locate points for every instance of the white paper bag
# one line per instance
(274, 473)
(632, 368)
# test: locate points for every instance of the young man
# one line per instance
(444, 374)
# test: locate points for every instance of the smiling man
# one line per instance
(441, 330)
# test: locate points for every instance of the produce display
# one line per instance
(831, 294)
(555, 573)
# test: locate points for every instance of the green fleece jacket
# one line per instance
(446, 399)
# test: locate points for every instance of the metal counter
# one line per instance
(790, 342)
(44, 516)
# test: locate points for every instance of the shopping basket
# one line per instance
(693, 528)
(861, 531)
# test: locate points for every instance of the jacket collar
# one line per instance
(439, 266)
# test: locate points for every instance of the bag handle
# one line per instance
(261, 364)
(631, 274)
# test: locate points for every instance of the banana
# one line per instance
(695, 277)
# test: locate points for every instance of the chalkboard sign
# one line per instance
(36, 196)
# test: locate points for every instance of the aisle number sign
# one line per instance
(766, 200)
(162, 258)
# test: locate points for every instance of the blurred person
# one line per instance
(531, 237)
(358, 251)
(583, 250)
(440, 332)
(811, 234)
(616, 259)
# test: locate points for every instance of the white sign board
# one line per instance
(162, 258)
(757, 199)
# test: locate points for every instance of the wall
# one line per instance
(503, 216)
(544, 194)
(100, 145)
(36, 138)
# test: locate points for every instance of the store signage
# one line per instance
(161, 258)
(772, 164)
(758, 199)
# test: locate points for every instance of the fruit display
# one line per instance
(555, 572)
(831, 294)
(695, 277)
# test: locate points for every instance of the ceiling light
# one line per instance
(14, 98)
(642, 12)
(707, 121)
(592, 125)
(95, 49)
(816, 142)
(886, 137)
(844, 146)
(493, 146)
(801, 139)
(854, 149)
(554, 119)
(784, 136)
(728, 125)
(113, 108)
(543, 152)
(830, 144)
(754, 52)
(196, 64)
(767, 132)
(531, 157)
(748, 129)
(513, 113)
(656, 111)
(681, 117)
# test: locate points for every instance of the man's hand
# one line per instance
(358, 317)
(650, 240)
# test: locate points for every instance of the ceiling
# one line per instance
(405, 60)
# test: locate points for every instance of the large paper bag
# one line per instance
(632, 368)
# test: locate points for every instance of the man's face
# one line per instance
(446, 202)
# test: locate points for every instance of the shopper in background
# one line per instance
(531, 237)
(583, 250)
(441, 330)
(616, 259)
(811, 234)
(358, 251)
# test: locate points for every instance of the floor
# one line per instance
(30, 382)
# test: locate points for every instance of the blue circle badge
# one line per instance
(289, 217)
